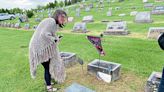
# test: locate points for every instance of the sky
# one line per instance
(23, 4)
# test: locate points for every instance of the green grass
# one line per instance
(137, 55)
(101, 15)
(140, 56)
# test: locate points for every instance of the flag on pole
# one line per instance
(96, 41)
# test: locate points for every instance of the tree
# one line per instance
(69, 2)
(61, 4)
(55, 3)
(65, 2)
(29, 13)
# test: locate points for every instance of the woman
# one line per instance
(43, 49)
(161, 44)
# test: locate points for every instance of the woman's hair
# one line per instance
(56, 15)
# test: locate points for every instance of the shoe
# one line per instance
(51, 89)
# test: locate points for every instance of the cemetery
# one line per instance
(148, 5)
(106, 46)
(158, 10)
(154, 32)
(143, 17)
(80, 27)
(69, 59)
(116, 28)
(153, 82)
(87, 19)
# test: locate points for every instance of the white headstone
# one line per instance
(80, 27)
(78, 12)
(27, 26)
(148, 5)
(70, 19)
(133, 13)
(17, 25)
(87, 9)
(109, 13)
(88, 18)
(143, 17)
(8, 24)
(158, 10)
(154, 32)
(23, 18)
(144, 1)
(5, 24)
(116, 28)
(12, 25)
(121, 15)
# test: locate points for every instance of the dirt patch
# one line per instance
(129, 82)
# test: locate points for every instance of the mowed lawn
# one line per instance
(139, 57)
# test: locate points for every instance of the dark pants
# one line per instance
(47, 75)
(161, 85)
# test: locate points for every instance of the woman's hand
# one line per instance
(58, 39)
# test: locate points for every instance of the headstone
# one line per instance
(90, 5)
(5, 24)
(37, 20)
(23, 18)
(109, 13)
(77, 88)
(133, 13)
(153, 82)
(1, 23)
(68, 58)
(17, 25)
(12, 25)
(106, 67)
(81, 6)
(121, 15)
(80, 27)
(70, 19)
(116, 28)
(87, 9)
(154, 32)
(144, 1)
(143, 17)
(8, 24)
(78, 12)
(158, 10)
(88, 19)
(27, 26)
(148, 5)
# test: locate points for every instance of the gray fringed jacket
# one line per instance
(43, 47)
